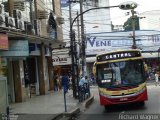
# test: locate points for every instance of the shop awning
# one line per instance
(35, 39)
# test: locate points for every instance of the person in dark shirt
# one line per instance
(55, 83)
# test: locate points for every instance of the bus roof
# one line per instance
(119, 54)
(119, 51)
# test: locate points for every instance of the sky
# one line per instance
(118, 16)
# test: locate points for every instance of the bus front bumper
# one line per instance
(129, 99)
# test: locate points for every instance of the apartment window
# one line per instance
(93, 3)
(96, 3)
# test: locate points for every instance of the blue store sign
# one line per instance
(64, 3)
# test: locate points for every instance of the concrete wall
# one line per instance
(58, 14)
(39, 5)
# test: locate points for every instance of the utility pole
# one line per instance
(133, 29)
(31, 9)
(78, 29)
(72, 48)
(78, 51)
(83, 48)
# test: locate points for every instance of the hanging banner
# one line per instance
(3, 41)
(17, 48)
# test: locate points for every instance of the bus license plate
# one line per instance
(123, 99)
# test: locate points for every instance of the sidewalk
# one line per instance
(44, 107)
(47, 107)
(151, 82)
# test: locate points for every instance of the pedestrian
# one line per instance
(70, 82)
(92, 79)
(55, 83)
(82, 81)
(86, 79)
(157, 78)
(59, 84)
(86, 85)
(83, 85)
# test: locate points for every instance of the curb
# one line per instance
(76, 111)
(57, 117)
(71, 113)
(88, 102)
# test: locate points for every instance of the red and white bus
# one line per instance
(121, 77)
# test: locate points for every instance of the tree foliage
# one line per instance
(128, 24)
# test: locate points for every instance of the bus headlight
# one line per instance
(105, 81)
(141, 91)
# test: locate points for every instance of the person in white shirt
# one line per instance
(82, 81)
(156, 78)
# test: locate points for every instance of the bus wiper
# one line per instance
(114, 86)
(122, 85)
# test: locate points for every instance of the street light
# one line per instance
(132, 6)
(123, 6)
(133, 29)
(128, 5)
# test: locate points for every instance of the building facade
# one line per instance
(95, 22)
(150, 20)
(26, 47)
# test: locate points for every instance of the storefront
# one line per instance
(27, 69)
(61, 63)
(3, 73)
(15, 55)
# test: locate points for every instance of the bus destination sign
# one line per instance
(118, 55)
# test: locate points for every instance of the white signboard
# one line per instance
(97, 45)
(61, 60)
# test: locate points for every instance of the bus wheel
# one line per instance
(142, 103)
(107, 108)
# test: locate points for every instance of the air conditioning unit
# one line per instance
(6, 14)
(20, 25)
(60, 20)
(42, 14)
(37, 27)
(1, 9)
(20, 5)
(2, 21)
(29, 28)
(26, 24)
(10, 22)
(6, 6)
(17, 14)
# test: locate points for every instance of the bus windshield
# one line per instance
(122, 73)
